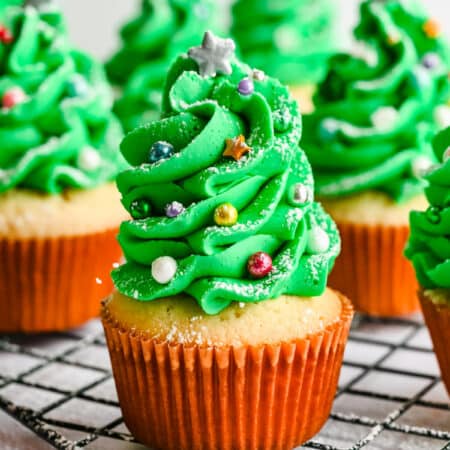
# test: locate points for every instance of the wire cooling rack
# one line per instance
(390, 395)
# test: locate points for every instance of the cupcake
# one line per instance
(290, 40)
(59, 213)
(221, 331)
(369, 143)
(429, 250)
(161, 30)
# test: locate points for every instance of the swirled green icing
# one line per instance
(352, 141)
(289, 39)
(151, 41)
(429, 245)
(58, 137)
(199, 114)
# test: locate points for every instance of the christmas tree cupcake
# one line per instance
(161, 30)
(369, 143)
(429, 250)
(291, 40)
(58, 161)
(221, 322)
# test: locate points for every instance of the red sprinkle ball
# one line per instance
(5, 35)
(259, 265)
(12, 97)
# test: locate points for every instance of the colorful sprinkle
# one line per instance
(214, 55)
(13, 97)
(318, 241)
(432, 29)
(259, 265)
(433, 214)
(393, 39)
(174, 209)
(89, 159)
(164, 269)
(258, 75)
(446, 155)
(301, 194)
(225, 215)
(160, 150)
(328, 129)
(442, 116)
(77, 86)
(5, 35)
(140, 209)
(420, 166)
(236, 148)
(384, 118)
(431, 60)
(246, 87)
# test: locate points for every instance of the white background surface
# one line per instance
(94, 23)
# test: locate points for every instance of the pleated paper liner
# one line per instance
(437, 318)
(373, 272)
(54, 284)
(186, 397)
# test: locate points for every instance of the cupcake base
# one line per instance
(372, 269)
(185, 396)
(437, 317)
(52, 284)
(373, 272)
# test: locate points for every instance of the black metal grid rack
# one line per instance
(390, 397)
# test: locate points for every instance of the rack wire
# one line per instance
(390, 394)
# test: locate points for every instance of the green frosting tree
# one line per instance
(290, 39)
(161, 30)
(56, 126)
(220, 192)
(429, 244)
(379, 107)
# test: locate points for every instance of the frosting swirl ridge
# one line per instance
(429, 245)
(379, 107)
(263, 176)
(161, 30)
(56, 125)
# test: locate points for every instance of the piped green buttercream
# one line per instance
(429, 245)
(199, 115)
(379, 108)
(150, 42)
(289, 39)
(62, 133)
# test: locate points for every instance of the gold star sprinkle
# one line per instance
(236, 148)
(432, 29)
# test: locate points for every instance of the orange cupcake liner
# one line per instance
(373, 272)
(437, 318)
(56, 283)
(188, 396)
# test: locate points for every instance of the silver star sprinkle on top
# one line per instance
(214, 55)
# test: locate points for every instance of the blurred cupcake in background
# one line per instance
(222, 322)
(58, 160)
(369, 143)
(429, 250)
(150, 42)
(291, 40)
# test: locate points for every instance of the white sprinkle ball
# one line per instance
(442, 116)
(318, 240)
(421, 165)
(89, 159)
(384, 118)
(164, 269)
